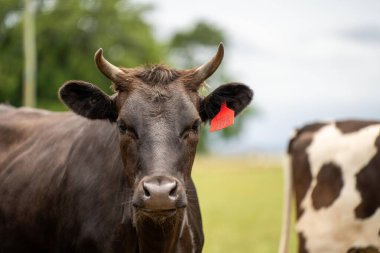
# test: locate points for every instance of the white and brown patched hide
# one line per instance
(335, 170)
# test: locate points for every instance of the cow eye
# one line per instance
(192, 129)
(196, 125)
(125, 129)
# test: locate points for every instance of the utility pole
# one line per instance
(29, 88)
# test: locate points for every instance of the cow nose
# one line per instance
(160, 193)
(165, 190)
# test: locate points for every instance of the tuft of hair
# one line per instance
(158, 75)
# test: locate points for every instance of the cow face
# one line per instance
(158, 113)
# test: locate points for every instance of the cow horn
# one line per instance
(108, 69)
(206, 70)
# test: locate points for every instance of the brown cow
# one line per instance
(335, 174)
(120, 182)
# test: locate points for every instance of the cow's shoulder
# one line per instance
(303, 136)
(350, 126)
(15, 117)
(16, 124)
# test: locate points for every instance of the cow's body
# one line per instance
(54, 189)
(335, 170)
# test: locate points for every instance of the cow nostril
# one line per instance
(173, 192)
(146, 191)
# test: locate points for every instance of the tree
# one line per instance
(68, 34)
(11, 63)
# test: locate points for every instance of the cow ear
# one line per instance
(236, 95)
(87, 100)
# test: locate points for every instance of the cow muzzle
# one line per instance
(159, 196)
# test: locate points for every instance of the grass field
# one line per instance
(241, 203)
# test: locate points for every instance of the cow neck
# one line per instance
(160, 237)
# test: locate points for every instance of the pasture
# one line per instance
(241, 203)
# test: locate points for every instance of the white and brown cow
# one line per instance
(334, 173)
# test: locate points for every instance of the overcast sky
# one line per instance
(305, 60)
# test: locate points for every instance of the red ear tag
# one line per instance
(223, 119)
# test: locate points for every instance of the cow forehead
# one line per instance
(155, 104)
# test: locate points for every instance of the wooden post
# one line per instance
(29, 88)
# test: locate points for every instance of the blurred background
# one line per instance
(305, 61)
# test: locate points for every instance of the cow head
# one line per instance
(158, 113)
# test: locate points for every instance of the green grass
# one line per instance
(241, 204)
